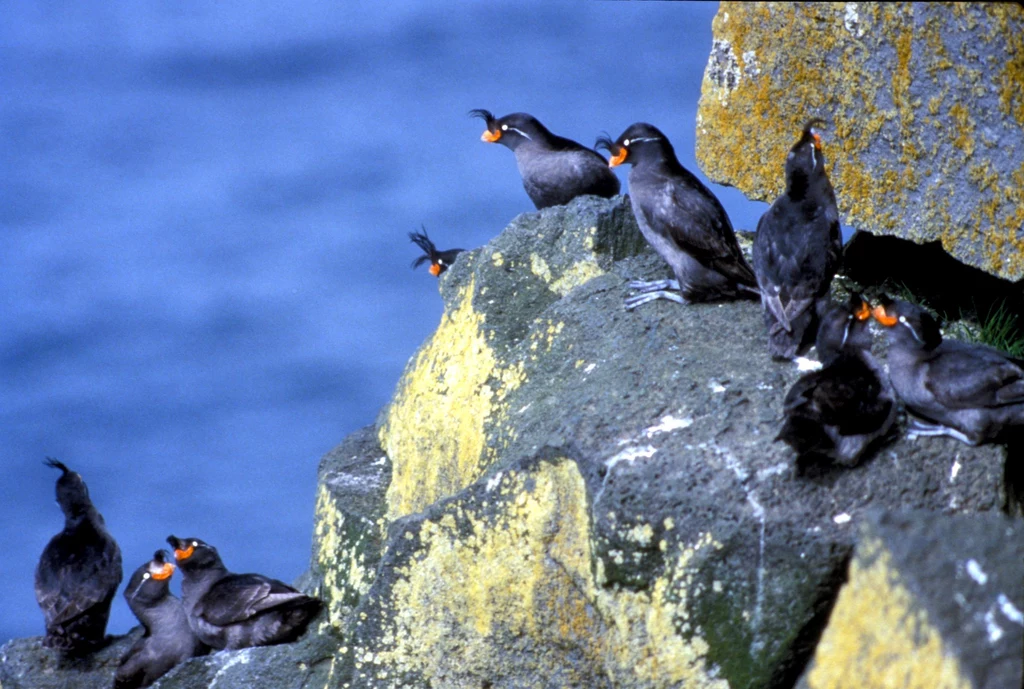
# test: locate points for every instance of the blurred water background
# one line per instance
(204, 267)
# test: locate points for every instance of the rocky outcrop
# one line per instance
(931, 602)
(593, 496)
(925, 110)
(563, 493)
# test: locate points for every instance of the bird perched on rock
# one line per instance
(169, 639)
(839, 411)
(233, 611)
(555, 170)
(797, 249)
(971, 392)
(682, 220)
(440, 261)
(78, 572)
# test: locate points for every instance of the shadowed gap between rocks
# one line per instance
(951, 288)
(787, 674)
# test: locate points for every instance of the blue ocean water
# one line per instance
(204, 272)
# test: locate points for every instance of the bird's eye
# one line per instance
(145, 575)
(504, 127)
(195, 544)
(626, 142)
(903, 319)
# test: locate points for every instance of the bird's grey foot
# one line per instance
(639, 299)
(921, 429)
(653, 286)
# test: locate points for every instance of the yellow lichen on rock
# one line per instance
(434, 429)
(914, 95)
(569, 278)
(523, 571)
(343, 564)
(878, 636)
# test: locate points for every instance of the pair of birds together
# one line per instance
(797, 249)
(969, 391)
(80, 570)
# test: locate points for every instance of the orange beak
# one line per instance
(435, 269)
(864, 312)
(164, 572)
(489, 136)
(817, 140)
(184, 554)
(882, 317)
(619, 158)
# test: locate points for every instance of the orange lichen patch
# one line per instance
(964, 134)
(907, 111)
(184, 554)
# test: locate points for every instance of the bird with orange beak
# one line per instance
(682, 220)
(839, 412)
(227, 610)
(169, 639)
(440, 261)
(555, 170)
(964, 390)
(798, 249)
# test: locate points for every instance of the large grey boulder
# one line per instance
(924, 104)
(931, 601)
(615, 510)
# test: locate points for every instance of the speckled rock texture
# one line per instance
(925, 110)
(563, 493)
(25, 664)
(932, 602)
(585, 496)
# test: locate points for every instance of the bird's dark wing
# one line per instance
(682, 209)
(795, 258)
(238, 597)
(71, 579)
(965, 376)
(845, 395)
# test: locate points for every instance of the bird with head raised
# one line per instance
(555, 170)
(440, 261)
(839, 412)
(682, 220)
(168, 639)
(78, 572)
(227, 610)
(798, 249)
(968, 391)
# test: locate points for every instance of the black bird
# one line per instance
(838, 412)
(169, 639)
(555, 170)
(78, 572)
(232, 611)
(797, 250)
(440, 261)
(971, 392)
(682, 220)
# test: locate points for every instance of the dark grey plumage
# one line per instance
(684, 222)
(798, 249)
(838, 412)
(555, 170)
(78, 572)
(169, 639)
(971, 392)
(232, 611)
